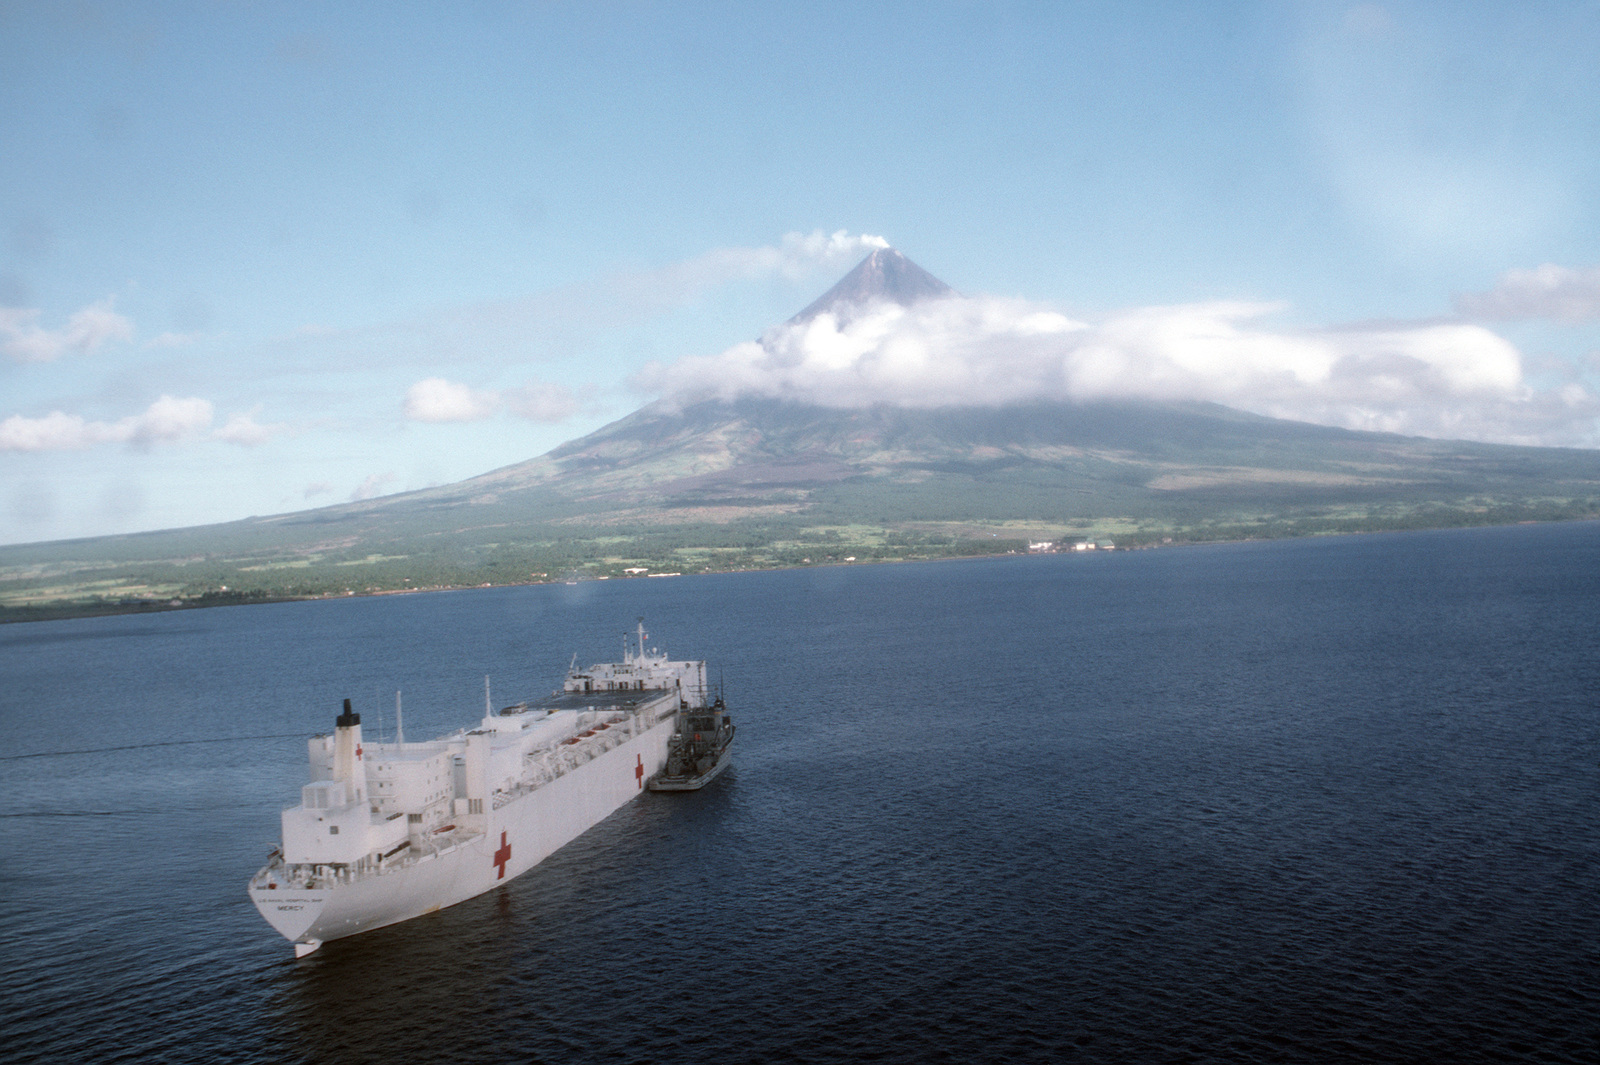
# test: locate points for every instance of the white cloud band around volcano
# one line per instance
(1441, 379)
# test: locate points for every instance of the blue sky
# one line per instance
(255, 258)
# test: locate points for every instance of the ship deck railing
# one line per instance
(425, 847)
(551, 763)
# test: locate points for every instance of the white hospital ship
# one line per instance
(389, 831)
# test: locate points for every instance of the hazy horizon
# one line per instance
(253, 263)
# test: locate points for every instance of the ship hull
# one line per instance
(693, 782)
(520, 834)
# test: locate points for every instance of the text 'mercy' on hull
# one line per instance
(390, 831)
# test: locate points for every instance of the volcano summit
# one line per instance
(752, 479)
(885, 276)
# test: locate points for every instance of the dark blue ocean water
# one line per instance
(1300, 801)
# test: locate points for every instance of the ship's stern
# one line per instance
(292, 910)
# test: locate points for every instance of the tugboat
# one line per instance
(698, 751)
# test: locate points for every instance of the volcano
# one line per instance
(731, 483)
(885, 276)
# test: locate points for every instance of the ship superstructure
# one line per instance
(389, 831)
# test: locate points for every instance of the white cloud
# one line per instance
(438, 400)
(1548, 291)
(371, 487)
(244, 430)
(1429, 378)
(55, 431)
(316, 489)
(22, 339)
(166, 420)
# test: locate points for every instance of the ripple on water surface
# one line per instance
(1264, 802)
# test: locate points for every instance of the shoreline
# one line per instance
(66, 611)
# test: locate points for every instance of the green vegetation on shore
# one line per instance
(95, 586)
(761, 484)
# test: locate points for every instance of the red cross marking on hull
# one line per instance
(502, 856)
(358, 751)
(638, 774)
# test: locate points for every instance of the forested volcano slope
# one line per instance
(755, 482)
(760, 482)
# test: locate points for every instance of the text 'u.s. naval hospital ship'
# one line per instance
(389, 831)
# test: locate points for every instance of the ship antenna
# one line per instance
(641, 639)
(488, 703)
(399, 722)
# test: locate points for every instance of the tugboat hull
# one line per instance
(693, 782)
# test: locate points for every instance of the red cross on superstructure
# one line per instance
(358, 752)
(638, 774)
(502, 856)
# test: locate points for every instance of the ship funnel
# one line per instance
(348, 765)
